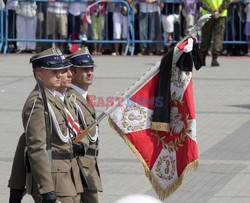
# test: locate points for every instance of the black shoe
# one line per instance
(15, 196)
(215, 62)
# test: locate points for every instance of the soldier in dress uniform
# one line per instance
(51, 176)
(83, 74)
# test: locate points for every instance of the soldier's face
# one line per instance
(83, 77)
(66, 78)
(51, 78)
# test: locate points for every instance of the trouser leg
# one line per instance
(89, 196)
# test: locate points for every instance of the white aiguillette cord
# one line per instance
(80, 113)
(63, 138)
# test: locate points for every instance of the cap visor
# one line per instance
(59, 66)
(85, 66)
(67, 64)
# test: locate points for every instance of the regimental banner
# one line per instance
(166, 156)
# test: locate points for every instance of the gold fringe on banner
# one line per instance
(161, 192)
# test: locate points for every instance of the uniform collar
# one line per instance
(60, 95)
(80, 91)
(51, 92)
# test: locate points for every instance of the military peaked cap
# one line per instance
(81, 59)
(51, 59)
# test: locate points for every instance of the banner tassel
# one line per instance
(162, 194)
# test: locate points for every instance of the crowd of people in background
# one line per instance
(155, 21)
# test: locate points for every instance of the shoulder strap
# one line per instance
(46, 118)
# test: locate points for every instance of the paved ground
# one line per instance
(222, 99)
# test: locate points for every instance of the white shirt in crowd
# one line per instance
(12, 5)
(76, 8)
(58, 7)
(148, 7)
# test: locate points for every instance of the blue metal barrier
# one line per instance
(146, 17)
(234, 27)
(1, 27)
(128, 40)
(47, 38)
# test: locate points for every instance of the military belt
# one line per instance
(62, 156)
(92, 152)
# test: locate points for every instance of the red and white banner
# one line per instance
(166, 156)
